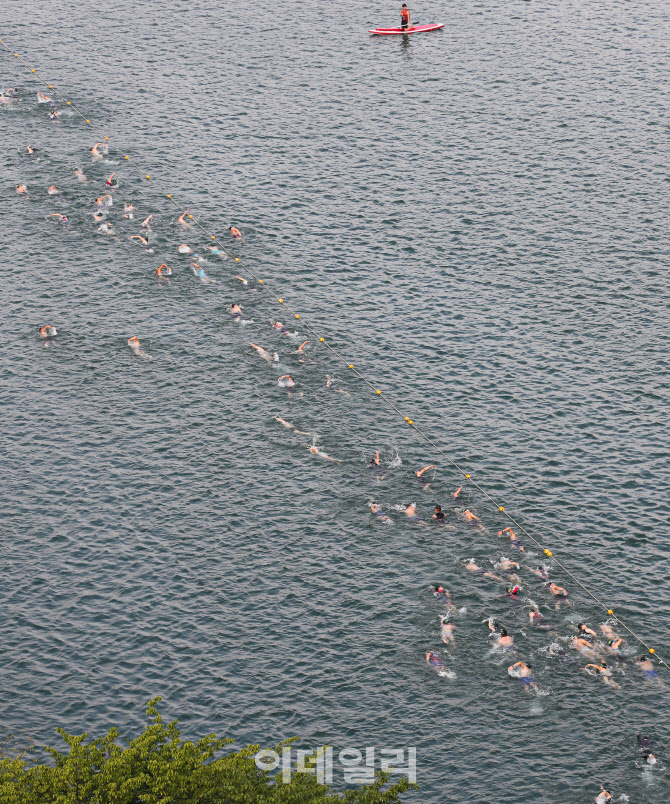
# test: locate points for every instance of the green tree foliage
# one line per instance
(158, 767)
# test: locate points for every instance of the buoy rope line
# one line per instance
(340, 358)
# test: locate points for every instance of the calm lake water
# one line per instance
(476, 217)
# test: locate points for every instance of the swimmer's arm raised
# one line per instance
(425, 469)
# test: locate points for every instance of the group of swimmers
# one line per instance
(103, 203)
(585, 642)
(596, 649)
(599, 653)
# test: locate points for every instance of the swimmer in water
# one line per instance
(48, 332)
(11, 92)
(144, 242)
(536, 619)
(434, 661)
(376, 466)
(136, 347)
(235, 310)
(200, 273)
(333, 386)
(586, 633)
(21, 189)
(112, 182)
(560, 594)
(62, 219)
(447, 630)
(604, 797)
(471, 566)
(411, 514)
(581, 645)
(542, 572)
(644, 746)
(146, 223)
(104, 201)
(274, 358)
(184, 249)
(441, 593)
(524, 672)
(79, 174)
(503, 639)
(182, 222)
(290, 426)
(468, 516)
(301, 351)
(513, 592)
(608, 631)
(53, 115)
(380, 515)
(94, 150)
(281, 329)
(508, 566)
(98, 216)
(53, 190)
(604, 672)
(316, 451)
(647, 668)
(512, 537)
(556, 650)
(419, 473)
(235, 233)
(286, 381)
(456, 494)
(106, 228)
(439, 515)
(614, 647)
(43, 98)
(244, 281)
(128, 210)
(164, 271)
(31, 151)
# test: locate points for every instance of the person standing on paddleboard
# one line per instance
(404, 17)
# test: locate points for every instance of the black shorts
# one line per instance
(404, 24)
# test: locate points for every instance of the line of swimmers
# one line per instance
(287, 381)
(99, 150)
(521, 669)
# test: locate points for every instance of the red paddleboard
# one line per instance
(411, 30)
